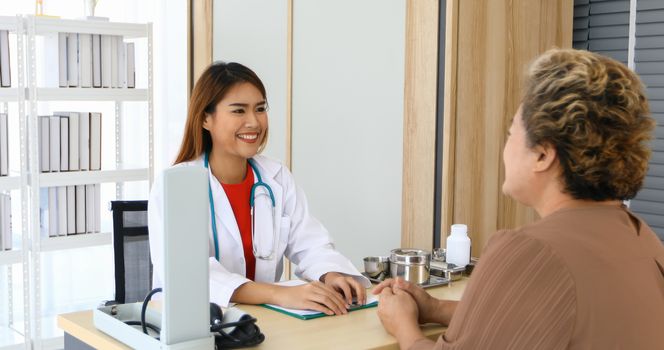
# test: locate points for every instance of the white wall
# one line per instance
(170, 79)
(254, 33)
(348, 74)
(348, 81)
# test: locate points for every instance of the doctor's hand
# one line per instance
(429, 308)
(312, 296)
(398, 312)
(346, 285)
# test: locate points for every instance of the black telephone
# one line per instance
(239, 332)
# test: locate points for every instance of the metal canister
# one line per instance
(410, 264)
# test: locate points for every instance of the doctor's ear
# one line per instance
(206, 121)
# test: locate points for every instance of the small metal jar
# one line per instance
(410, 264)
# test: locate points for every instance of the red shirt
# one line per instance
(239, 195)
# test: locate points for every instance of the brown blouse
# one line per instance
(582, 278)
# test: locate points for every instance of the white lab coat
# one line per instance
(301, 238)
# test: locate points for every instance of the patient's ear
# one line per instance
(547, 157)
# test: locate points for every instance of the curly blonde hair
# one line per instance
(594, 111)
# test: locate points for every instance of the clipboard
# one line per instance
(372, 301)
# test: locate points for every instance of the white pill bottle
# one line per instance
(458, 246)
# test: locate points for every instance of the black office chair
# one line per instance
(131, 251)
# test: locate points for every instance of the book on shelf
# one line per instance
(72, 59)
(97, 208)
(122, 63)
(90, 219)
(52, 212)
(106, 53)
(64, 142)
(96, 60)
(95, 141)
(131, 65)
(5, 71)
(71, 210)
(62, 210)
(53, 54)
(114, 62)
(62, 60)
(85, 59)
(54, 142)
(4, 144)
(5, 221)
(84, 140)
(43, 212)
(44, 143)
(73, 136)
(92, 208)
(80, 208)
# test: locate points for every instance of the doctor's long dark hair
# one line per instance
(211, 88)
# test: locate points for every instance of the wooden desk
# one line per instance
(359, 329)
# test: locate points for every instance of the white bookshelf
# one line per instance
(8, 22)
(46, 25)
(90, 94)
(92, 177)
(9, 257)
(8, 94)
(84, 240)
(8, 183)
(38, 333)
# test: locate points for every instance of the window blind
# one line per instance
(649, 64)
(608, 28)
(580, 32)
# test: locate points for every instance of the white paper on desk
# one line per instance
(292, 283)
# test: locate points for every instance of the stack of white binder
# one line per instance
(68, 142)
(89, 60)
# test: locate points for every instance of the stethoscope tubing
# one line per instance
(258, 183)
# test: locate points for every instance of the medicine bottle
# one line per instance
(458, 246)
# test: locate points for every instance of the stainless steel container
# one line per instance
(438, 254)
(376, 266)
(410, 264)
(449, 271)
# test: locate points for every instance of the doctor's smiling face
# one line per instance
(238, 125)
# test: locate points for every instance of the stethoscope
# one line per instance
(252, 201)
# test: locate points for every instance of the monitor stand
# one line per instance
(185, 315)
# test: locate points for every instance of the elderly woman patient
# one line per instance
(589, 274)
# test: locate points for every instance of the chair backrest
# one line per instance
(131, 251)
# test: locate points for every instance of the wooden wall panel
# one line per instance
(495, 41)
(419, 138)
(200, 53)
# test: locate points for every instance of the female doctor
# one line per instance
(258, 214)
